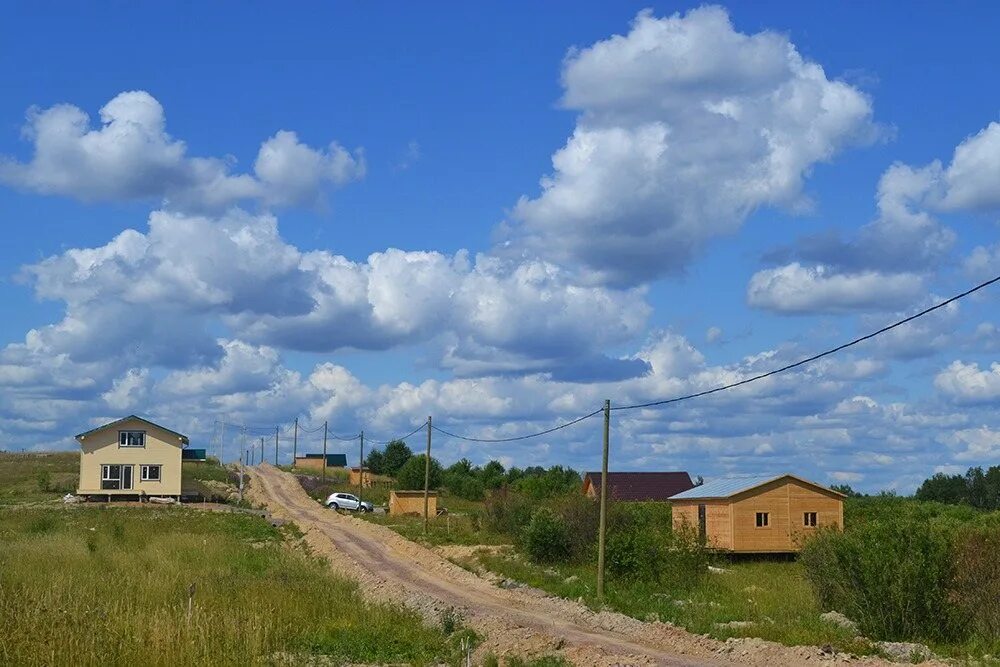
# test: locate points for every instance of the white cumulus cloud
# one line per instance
(131, 156)
(967, 383)
(686, 126)
(813, 289)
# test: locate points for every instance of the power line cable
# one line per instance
(815, 357)
(386, 442)
(519, 437)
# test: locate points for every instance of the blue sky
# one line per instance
(502, 215)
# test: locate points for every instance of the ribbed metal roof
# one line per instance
(116, 422)
(724, 487)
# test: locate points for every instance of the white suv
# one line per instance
(345, 501)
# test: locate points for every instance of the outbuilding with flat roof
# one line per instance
(758, 514)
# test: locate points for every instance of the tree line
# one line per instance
(466, 480)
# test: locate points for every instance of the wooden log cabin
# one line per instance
(758, 514)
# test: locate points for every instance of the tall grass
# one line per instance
(37, 477)
(926, 575)
(92, 586)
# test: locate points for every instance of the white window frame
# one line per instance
(121, 476)
(123, 437)
(144, 472)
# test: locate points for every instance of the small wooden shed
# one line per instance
(758, 514)
(412, 502)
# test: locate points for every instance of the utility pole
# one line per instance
(275, 445)
(604, 503)
(243, 449)
(361, 468)
(295, 441)
(222, 444)
(261, 449)
(427, 474)
(324, 450)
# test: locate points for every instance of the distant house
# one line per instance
(131, 457)
(315, 461)
(758, 514)
(638, 486)
(371, 479)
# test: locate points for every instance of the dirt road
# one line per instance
(521, 622)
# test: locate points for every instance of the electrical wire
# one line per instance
(815, 357)
(386, 442)
(519, 437)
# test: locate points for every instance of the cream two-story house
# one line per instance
(130, 457)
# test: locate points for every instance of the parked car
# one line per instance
(346, 501)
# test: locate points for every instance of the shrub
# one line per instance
(635, 555)
(507, 513)
(463, 485)
(581, 516)
(891, 577)
(556, 481)
(546, 539)
(411, 475)
(44, 480)
(686, 558)
(642, 546)
(975, 587)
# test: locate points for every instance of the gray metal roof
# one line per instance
(726, 487)
(183, 438)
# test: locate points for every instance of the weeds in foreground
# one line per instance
(90, 586)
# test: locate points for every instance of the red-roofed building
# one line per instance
(638, 486)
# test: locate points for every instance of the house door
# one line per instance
(126, 477)
(702, 528)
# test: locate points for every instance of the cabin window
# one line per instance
(111, 477)
(131, 438)
(115, 476)
(763, 519)
(809, 519)
(150, 473)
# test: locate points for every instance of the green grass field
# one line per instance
(94, 586)
(28, 478)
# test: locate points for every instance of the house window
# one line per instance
(111, 477)
(131, 438)
(115, 476)
(809, 519)
(763, 519)
(149, 473)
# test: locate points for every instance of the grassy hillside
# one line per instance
(37, 477)
(40, 477)
(76, 588)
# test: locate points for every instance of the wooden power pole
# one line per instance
(324, 450)
(427, 475)
(602, 530)
(276, 445)
(361, 468)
